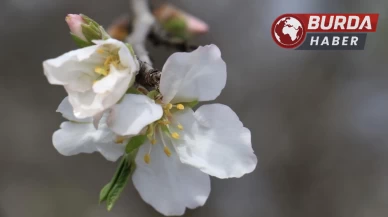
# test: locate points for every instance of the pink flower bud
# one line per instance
(194, 24)
(74, 21)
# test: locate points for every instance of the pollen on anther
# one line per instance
(180, 106)
(167, 151)
(147, 158)
(153, 142)
(169, 106)
(100, 71)
(180, 127)
(175, 135)
(100, 51)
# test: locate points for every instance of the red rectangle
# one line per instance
(339, 22)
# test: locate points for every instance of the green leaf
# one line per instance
(152, 94)
(79, 42)
(108, 187)
(135, 142)
(120, 184)
(191, 104)
(133, 90)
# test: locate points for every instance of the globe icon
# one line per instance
(288, 31)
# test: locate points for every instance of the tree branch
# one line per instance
(141, 26)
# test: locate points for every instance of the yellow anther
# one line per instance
(165, 122)
(180, 106)
(147, 158)
(167, 151)
(180, 127)
(175, 135)
(153, 142)
(101, 71)
(120, 139)
(108, 60)
(169, 106)
(100, 51)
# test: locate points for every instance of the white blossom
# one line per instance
(95, 77)
(210, 141)
(80, 136)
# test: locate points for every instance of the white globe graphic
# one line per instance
(291, 27)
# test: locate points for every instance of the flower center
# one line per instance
(164, 128)
(110, 57)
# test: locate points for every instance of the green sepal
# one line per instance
(153, 94)
(130, 48)
(79, 42)
(89, 20)
(135, 142)
(133, 90)
(121, 182)
(177, 27)
(108, 187)
(164, 128)
(191, 104)
(89, 33)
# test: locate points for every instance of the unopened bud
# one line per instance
(75, 22)
(84, 30)
(178, 22)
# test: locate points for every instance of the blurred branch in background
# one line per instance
(166, 25)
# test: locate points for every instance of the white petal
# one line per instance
(97, 118)
(126, 58)
(76, 138)
(86, 104)
(133, 113)
(74, 69)
(67, 112)
(113, 80)
(168, 185)
(215, 141)
(199, 75)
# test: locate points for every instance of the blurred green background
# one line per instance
(319, 120)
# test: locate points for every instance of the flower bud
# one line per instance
(84, 30)
(75, 22)
(178, 22)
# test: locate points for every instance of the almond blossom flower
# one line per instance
(80, 136)
(184, 146)
(95, 77)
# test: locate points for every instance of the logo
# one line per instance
(323, 31)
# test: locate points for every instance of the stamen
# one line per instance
(108, 61)
(167, 151)
(165, 148)
(180, 127)
(153, 141)
(101, 71)
(147, 158)
(100, 51)
(180, 106)
(119, 139)
(168, 106)
(165, 122)
(175, 135)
